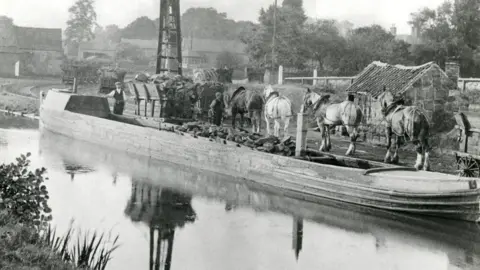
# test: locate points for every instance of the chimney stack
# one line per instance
(393, 30)
(452, 68)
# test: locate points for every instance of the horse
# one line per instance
(328, 116)
(245, 101)
(408, 122)
(277, 107)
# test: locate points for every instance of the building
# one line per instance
(32, 51)
(414, 38)
(98, 48)
(149, 47)
(203, 53)
(426, 86)
(196, 53)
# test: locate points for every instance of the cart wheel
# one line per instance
(467, 166)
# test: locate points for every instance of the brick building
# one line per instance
(38, 51)
(426, 86)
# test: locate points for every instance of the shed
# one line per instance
(426, 86)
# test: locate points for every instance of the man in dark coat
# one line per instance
(120, 98)
(217, 108)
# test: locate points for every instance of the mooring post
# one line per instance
(74, 90)
(301, 139)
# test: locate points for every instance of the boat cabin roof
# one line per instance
(83, 104)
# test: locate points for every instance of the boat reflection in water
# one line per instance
(162, 210)
(161, 197)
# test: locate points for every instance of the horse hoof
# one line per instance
(395, 160)
(418, 167)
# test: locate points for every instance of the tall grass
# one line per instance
(87, 251)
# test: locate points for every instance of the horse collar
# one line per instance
(392, 107)
(272, 94)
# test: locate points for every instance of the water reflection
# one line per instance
(297, 236)
(158, 199)
(162, 210)
(224, 223)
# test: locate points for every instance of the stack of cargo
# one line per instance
(270, 144)
(188, 97)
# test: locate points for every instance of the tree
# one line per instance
(367, 44)
(141, 28)
(450, 31)
(208, 23)
(113, 33)
(325, 44)
(290, 49)
(227, 59)
(82, 21)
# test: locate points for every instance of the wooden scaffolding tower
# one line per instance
(169, 52)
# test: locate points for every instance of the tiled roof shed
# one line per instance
(396, 78)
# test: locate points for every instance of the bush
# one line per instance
(26, 238)
(23, 194)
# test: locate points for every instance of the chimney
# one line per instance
(393, 30)
(452, 68)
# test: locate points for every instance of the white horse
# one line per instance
(277, 107)
(327, 115)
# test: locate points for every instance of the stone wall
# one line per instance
(43, 63)
(7, 64)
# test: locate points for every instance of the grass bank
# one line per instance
(16, 93)
(27, 240)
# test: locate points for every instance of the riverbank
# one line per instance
(18, 95)
(27, 240)
(21, 247)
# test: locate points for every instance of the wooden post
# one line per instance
(315, 74)
(464, 86)
(74, 90)
(153, 107)
(301, 139)
(280, 75)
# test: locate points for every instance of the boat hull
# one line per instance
(417, 193)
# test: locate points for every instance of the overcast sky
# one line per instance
(54, 13)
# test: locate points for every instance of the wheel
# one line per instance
(467, 166)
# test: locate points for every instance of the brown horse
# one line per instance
(327, 115)
(408, 122)
(245, 101)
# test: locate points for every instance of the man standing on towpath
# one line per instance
(216, 109)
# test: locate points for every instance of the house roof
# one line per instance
(97, 45)
(46, 39)
(195, 45)
(142, 43)
(396, 78)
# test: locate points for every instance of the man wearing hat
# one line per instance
(119, 96)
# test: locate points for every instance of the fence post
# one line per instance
(315, 74)
(280, 75)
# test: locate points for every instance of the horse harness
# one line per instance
(274, 94)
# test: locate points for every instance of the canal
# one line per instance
(208, 221)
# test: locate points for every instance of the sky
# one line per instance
(54, 13)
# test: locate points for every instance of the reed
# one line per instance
(88, 251)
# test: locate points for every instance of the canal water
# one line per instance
(208, 221)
